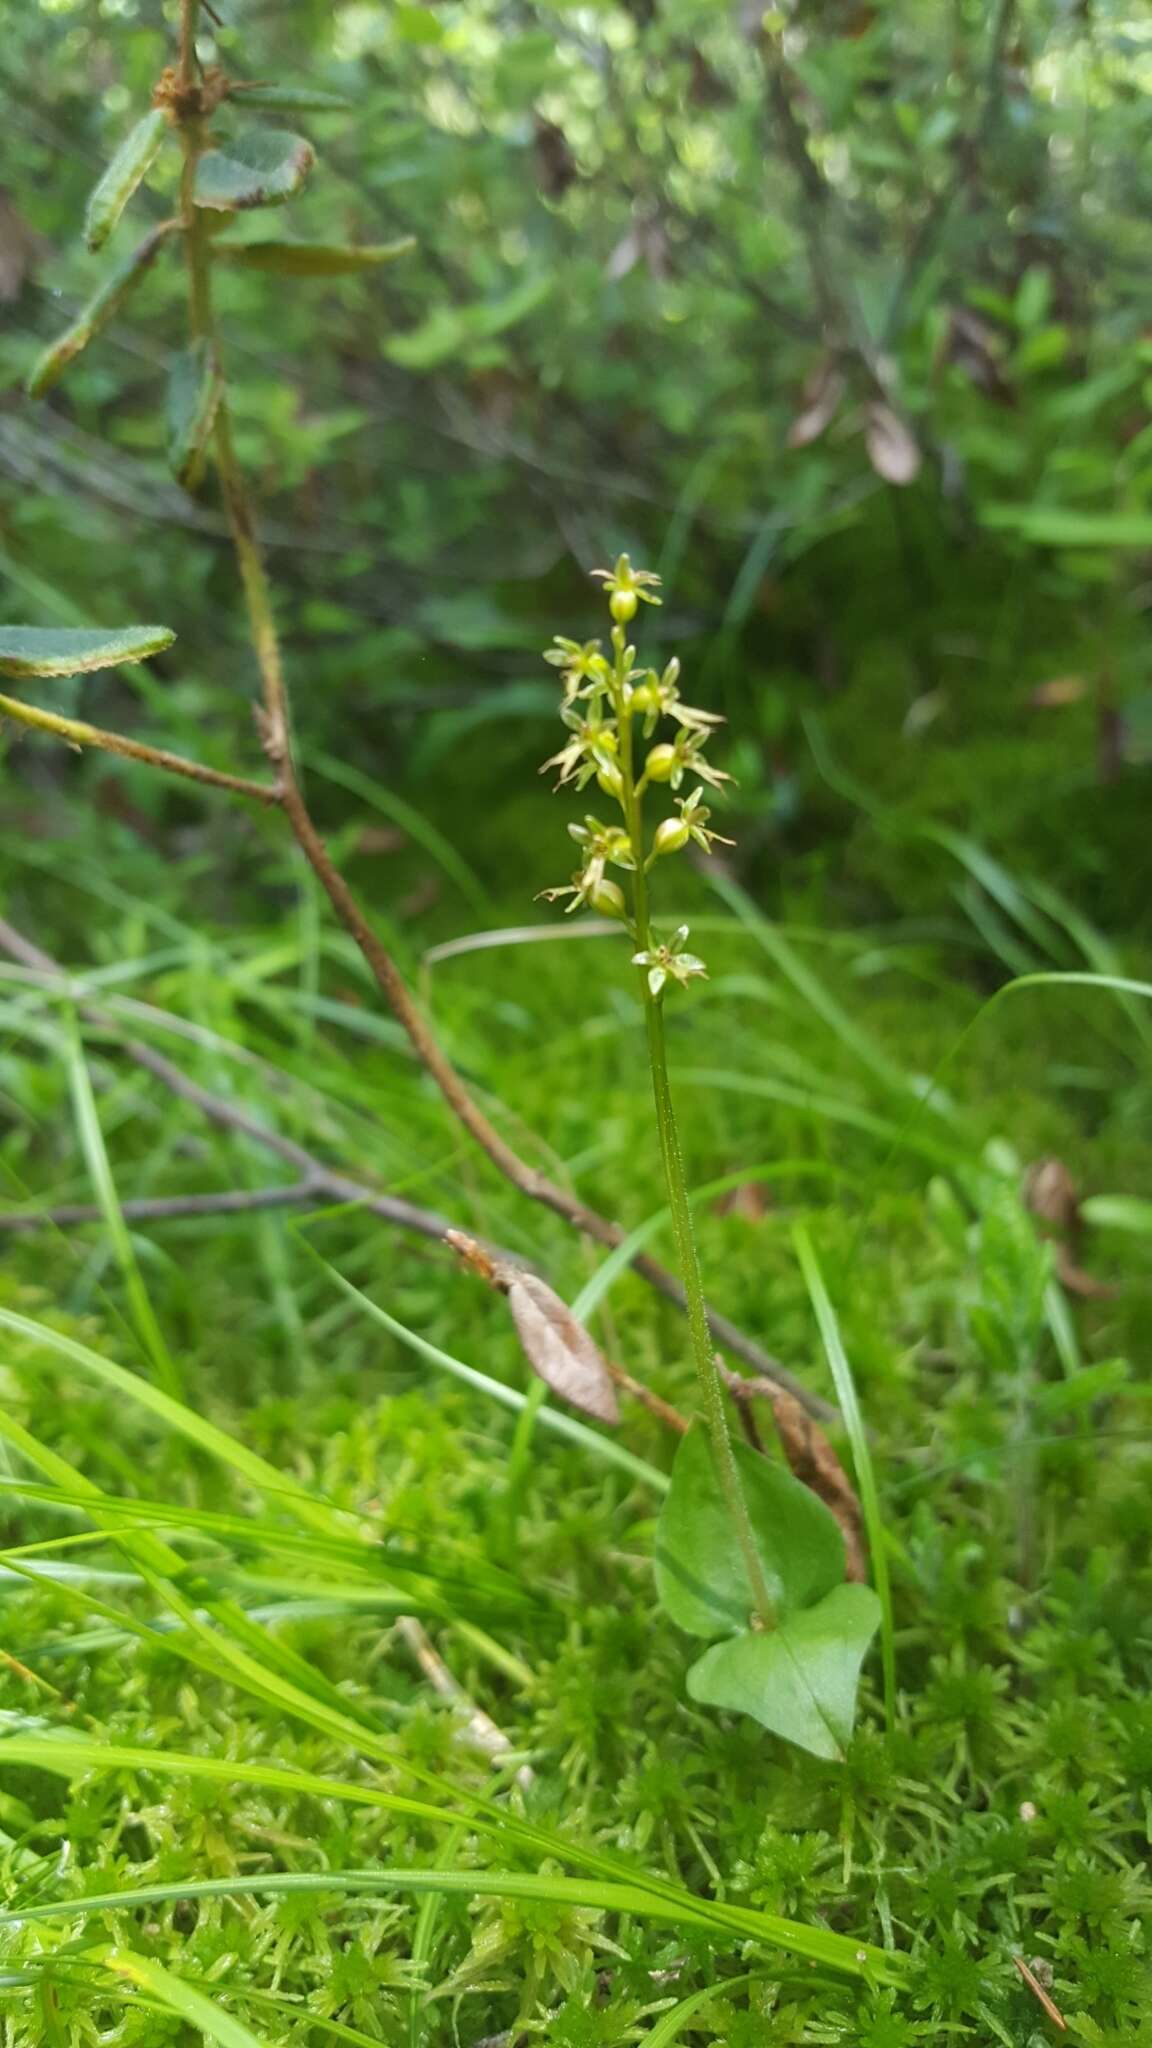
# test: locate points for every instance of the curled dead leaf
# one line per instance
(893, 449)
(820, 399)
(1058, 691)
(559, 1349)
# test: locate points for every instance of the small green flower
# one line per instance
(672, 760)
(670, 963)
(626, 587)
(657, 697)
(592, 749)
(591, 889)
(584, 667)
(604, 842)
(694, 816)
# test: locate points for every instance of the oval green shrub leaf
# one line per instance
(194, 388)
(292, 99)
(97, 313)
(261, 167)
(799, 1680)
(313, 259)
(128, 168)
(71, 651)
(1118, 1212)
(700, 1576)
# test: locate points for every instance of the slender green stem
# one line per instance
(676, 1182)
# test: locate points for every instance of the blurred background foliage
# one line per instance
(837, 319)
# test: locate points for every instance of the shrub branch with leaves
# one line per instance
(221, 178)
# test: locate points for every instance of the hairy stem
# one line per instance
(676, 1182)
(79, 734)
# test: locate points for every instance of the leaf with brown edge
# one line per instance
(290, 99)
(72, 651)
(101, 308)
(559, 1349)
(313, 259)
(260, 167)
(194, 391)
(128, 168)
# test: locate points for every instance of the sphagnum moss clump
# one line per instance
(745, 1553)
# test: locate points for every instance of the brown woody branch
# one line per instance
(163, 1208)
(275, 726)
(77, 733)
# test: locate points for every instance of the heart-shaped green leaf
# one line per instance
(313, 259)
(97, 313)
(70, 651)
(700, 1574)
(128, 167)
(261, 167)
(194, 388)
(800, 1679)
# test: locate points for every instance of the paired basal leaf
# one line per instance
(700, 1573)
(798, 1677)
(194, 388)
(97, 313)
(128, 168)
(798, 1680)
(71, 651)
(260, 167)
(313, 259)
(559, 1348)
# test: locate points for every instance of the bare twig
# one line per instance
(479, 1727)
(79, 734)
(164, 1208)
(323, 1182)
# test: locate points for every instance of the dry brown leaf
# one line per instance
(893, 449)
(557, 1347)
(555, 164)
(560, 1350)
(749, 1199)
(1052, 1196)
(1058, 691)
(821, 397)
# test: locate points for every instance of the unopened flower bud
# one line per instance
(622, 605)
(661, 763)
(608, 898)
(610, 779)
(671, 834)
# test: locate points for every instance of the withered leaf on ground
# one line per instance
(560, 1350)
(893, 449)
(820, 399)
(557, 1347)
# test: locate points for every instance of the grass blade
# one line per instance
(177, 1997)
(104, 1187)
(603, 1447)
(861, 1455)
(679, 1908)
(624, 1889)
